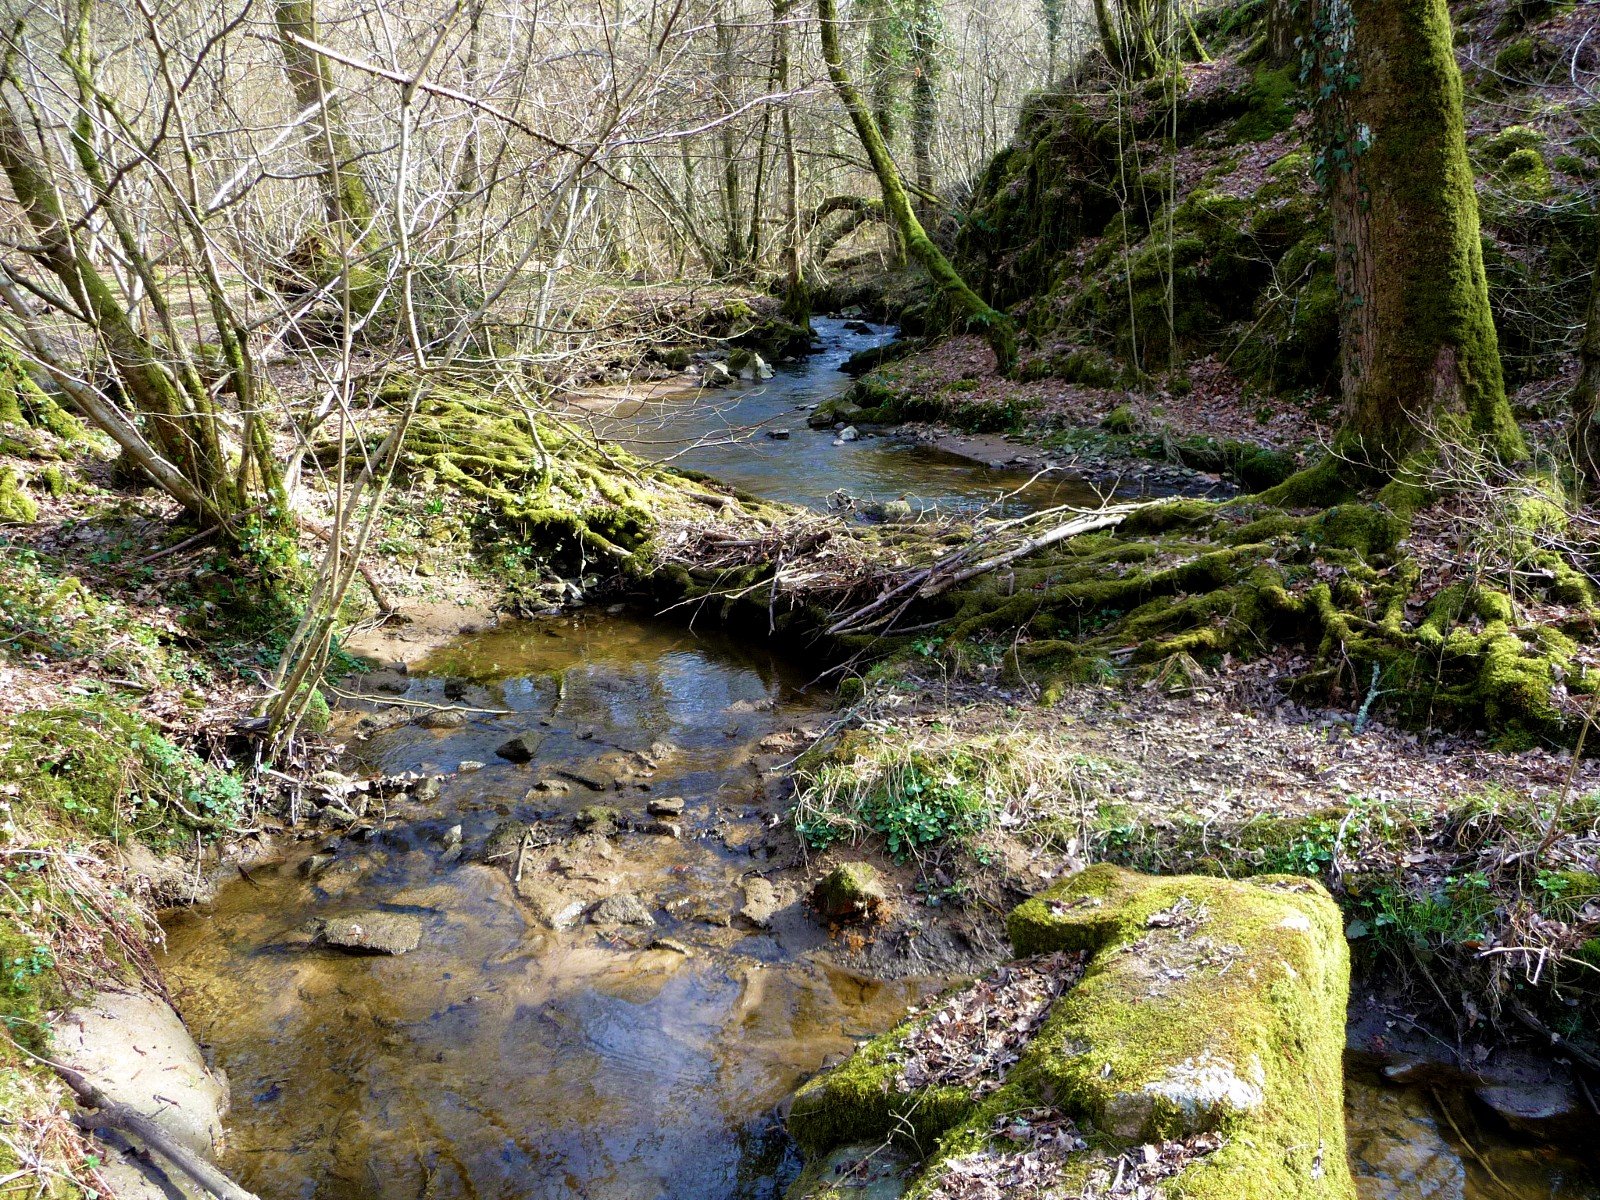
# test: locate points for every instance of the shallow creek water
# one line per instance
(519, 1052)
(725, 433)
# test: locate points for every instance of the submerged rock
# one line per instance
(666, 806)
(1206, 1030)
(519, 749)
(443, 718)
(373, 933)
(849, 893)
(622, 909)
(597, 818)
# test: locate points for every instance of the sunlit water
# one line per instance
(726, 433)
(506, 1058)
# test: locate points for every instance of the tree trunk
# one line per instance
(738, 252)
(344, 192)
(796, 296)
(1110, 39)
(1584, 435)
(997, 326)
(1285, 23)
(925, 29)
(1419, 352)
(884, 43)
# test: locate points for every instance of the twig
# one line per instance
(409, 703)
(110, 1114)
(1554, 828)
(1104, 518)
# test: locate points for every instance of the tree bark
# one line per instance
(1419, 351)
(732, 209)
(796, 296)
(925, 30)
(1285, 23)
(344, 192)
(996, 325)
(1584, 436)
(884, 44)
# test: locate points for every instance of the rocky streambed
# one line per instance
(573, 957)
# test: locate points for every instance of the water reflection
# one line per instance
(725, 433)
(502, 1058)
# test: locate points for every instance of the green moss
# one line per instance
(16, 506)
(1273, 104)
(1526, 173)
(859, 1101)
(1501, 146)
(1204, 1004)
(96, 769)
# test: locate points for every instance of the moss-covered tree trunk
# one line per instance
(182, 448)
(1419, 352)
(926, 26)
(996, 325)
(1285, 23)
(1585, 432)
(796, 296)
(344, 193)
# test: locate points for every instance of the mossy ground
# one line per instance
(1432, 857)
(1245, 982)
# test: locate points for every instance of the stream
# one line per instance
(522, 1051)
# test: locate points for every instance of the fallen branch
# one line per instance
(387, 605)
(106, 1113)
(1089, 522)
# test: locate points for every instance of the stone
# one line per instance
(426, 789)
(519, 749)
(749, 366)
(848, 434)
(1191, 1006)
(592, 780)
(468, 765)
(373, 932)
(850, 893)
(858, 327)
(666, 806)
(778, 435)
(624, 908)
(889, 511)
(761, 902)
(716, 374)
(443, 718)
(597, 818)
(669, 829)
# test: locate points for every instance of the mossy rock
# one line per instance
(851, 892)
(1206, 1006)
(16, 506)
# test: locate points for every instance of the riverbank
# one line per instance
(994, 793)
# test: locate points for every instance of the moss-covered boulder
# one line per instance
(849, 893)
(1199, 1053)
